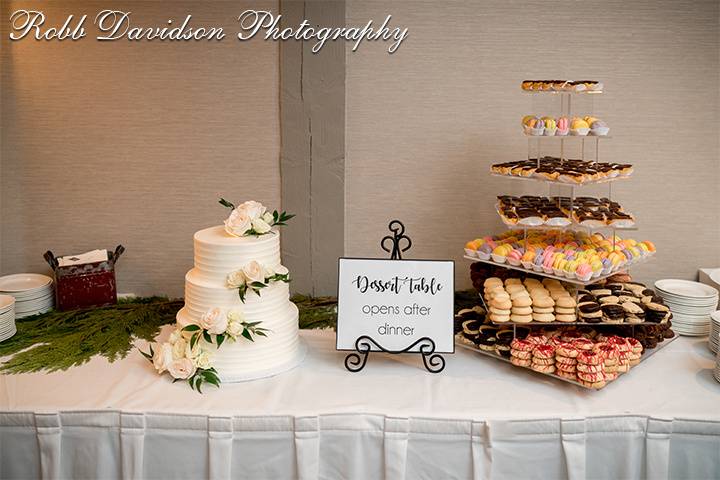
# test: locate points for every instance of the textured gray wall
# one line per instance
(132, 143)
(424, 124)
(313, 148)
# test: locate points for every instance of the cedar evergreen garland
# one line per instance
(60, 340)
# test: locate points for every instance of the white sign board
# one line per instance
(396, 302)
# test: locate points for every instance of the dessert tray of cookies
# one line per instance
(563, 126)
(531, 301)
(561, 212)
(587, 355)
(571, 256)
(562, 86)
(584, 356)
(563, 171)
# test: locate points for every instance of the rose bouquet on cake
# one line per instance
(252, 218)
(184, 357)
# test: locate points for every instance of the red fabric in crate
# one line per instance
(83, 286)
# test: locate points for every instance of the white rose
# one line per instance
(175, 336)
(252, 209)
(282, 270)
(235, 316)
(260, 226)
(178, 348)
(268, 218)
(163, 357)
(234, 329)
(202, 360)
(235, 279)
(254, 272)
(238, 223)
(182, 368)
(214, 321)
(192, 353)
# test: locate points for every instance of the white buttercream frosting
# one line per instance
(216, 255)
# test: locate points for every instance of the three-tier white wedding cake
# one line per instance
(238, 322)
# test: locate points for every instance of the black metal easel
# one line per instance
(355, 361)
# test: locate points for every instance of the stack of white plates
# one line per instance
(714, 340)
(7, 317)
(691, 304)
(717, 367)
(33, 293)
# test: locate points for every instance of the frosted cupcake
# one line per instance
(563, 126)
(579, 127)
(599, 128)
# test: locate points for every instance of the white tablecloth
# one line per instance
(479, 418)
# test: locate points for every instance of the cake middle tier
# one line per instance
(201, 296)
(217, 253)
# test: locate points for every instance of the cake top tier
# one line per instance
(218, 236)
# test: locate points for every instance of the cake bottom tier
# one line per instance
(244, 360)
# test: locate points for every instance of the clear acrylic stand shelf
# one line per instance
(564, 184)
(563, 92)
(565, 137)
(572, 226)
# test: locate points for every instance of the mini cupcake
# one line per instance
(538, 262)
(533, 126)
(514, 257)
(607, 266)
(570, 269)
(471, 248)
(499, 255)
(599, 128)
(550, 126)
(483, 253)
(527, 259)
(563, 126)
(583, 272)
(579, 127)
(547, 265)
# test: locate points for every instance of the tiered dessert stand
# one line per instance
(566, 100)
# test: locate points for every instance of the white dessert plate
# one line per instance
(691, 310)
(30, 295)
(22, 282)
(6, 302)
(8, 335)
(686, 288)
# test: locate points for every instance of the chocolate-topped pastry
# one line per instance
(586, 298)
(588, 307)
(471, 328)
(613, 313)
(457, 324)
(503, 350)
(668, 333)
(504, 337)
(485, 342)
(470, 314)
(522, 332)
(656, 312)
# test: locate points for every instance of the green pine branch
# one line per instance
(60, 340)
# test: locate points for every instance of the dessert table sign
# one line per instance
(395, 306)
